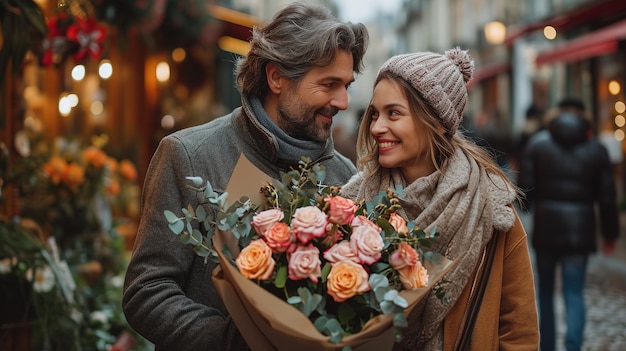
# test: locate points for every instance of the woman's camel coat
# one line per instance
(505, 319)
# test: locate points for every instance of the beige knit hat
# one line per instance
(439, 79)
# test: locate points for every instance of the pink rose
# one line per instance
(413, 277)
(405, 255)
(308, 222)
(398, 223)
(305, 263)
(341, 210)
(278, 237)
(367, 243)
(346, 279)
(255, 261)
(360, 221)
(340, 252)
(265, 219)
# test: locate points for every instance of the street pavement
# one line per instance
(605, 298)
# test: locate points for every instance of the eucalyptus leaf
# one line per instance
(196, 181)
(309, 301)
(188, 212)
(201, 251)
(400, 301)
(294, 300)
(185, 238)
(387, 307)
(208, 191)
(320, 323)
(188, 227)
(378, 280)
(196, 235)
(171, 217)
(335, 330)
(399, 320)
(176, 227)
(380, 292)
(390, 295)
(200, 213)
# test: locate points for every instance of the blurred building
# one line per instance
(172, 65)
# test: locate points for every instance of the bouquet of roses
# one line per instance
(305, 266)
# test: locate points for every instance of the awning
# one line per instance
(600, 42)
(583, 15)
(488, 71)
(235, 24)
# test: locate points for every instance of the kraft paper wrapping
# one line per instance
(269, 323)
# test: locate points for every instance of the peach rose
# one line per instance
(347, 279)
(73, 176)
(308, 222)
(398, 223)
(367, 243)
(404, 255)
(413, 277)
(95, 156)
(128, 170)
(255, 261)
(55, 168)
(278, 237)
(340, 252)
(304, 262)
(341, 210)
(265, 219)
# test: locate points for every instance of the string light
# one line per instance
(549, 32)
(105, 70)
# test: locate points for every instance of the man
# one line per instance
(567, 175)
(293, 81)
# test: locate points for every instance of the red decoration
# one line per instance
(89, 35)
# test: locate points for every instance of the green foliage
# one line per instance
(23, 28)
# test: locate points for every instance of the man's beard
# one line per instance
(301, 122)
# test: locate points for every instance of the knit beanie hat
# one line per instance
(439, 79)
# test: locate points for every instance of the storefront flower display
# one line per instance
(62, 258)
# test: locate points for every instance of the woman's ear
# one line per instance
(274, 78)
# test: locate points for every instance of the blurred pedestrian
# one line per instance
(566, 173)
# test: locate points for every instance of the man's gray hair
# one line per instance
(299, 37)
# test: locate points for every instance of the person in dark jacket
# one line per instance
(293, 82)
(567, 175)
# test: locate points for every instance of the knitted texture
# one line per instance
(440, 80)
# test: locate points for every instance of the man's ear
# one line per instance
(274, 78)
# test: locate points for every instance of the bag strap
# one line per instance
(476, 295)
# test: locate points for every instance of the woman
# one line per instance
(409, 137)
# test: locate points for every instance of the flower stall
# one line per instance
(83, 104)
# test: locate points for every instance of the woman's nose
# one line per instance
(378, 126)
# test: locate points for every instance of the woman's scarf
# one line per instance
(465, 205)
